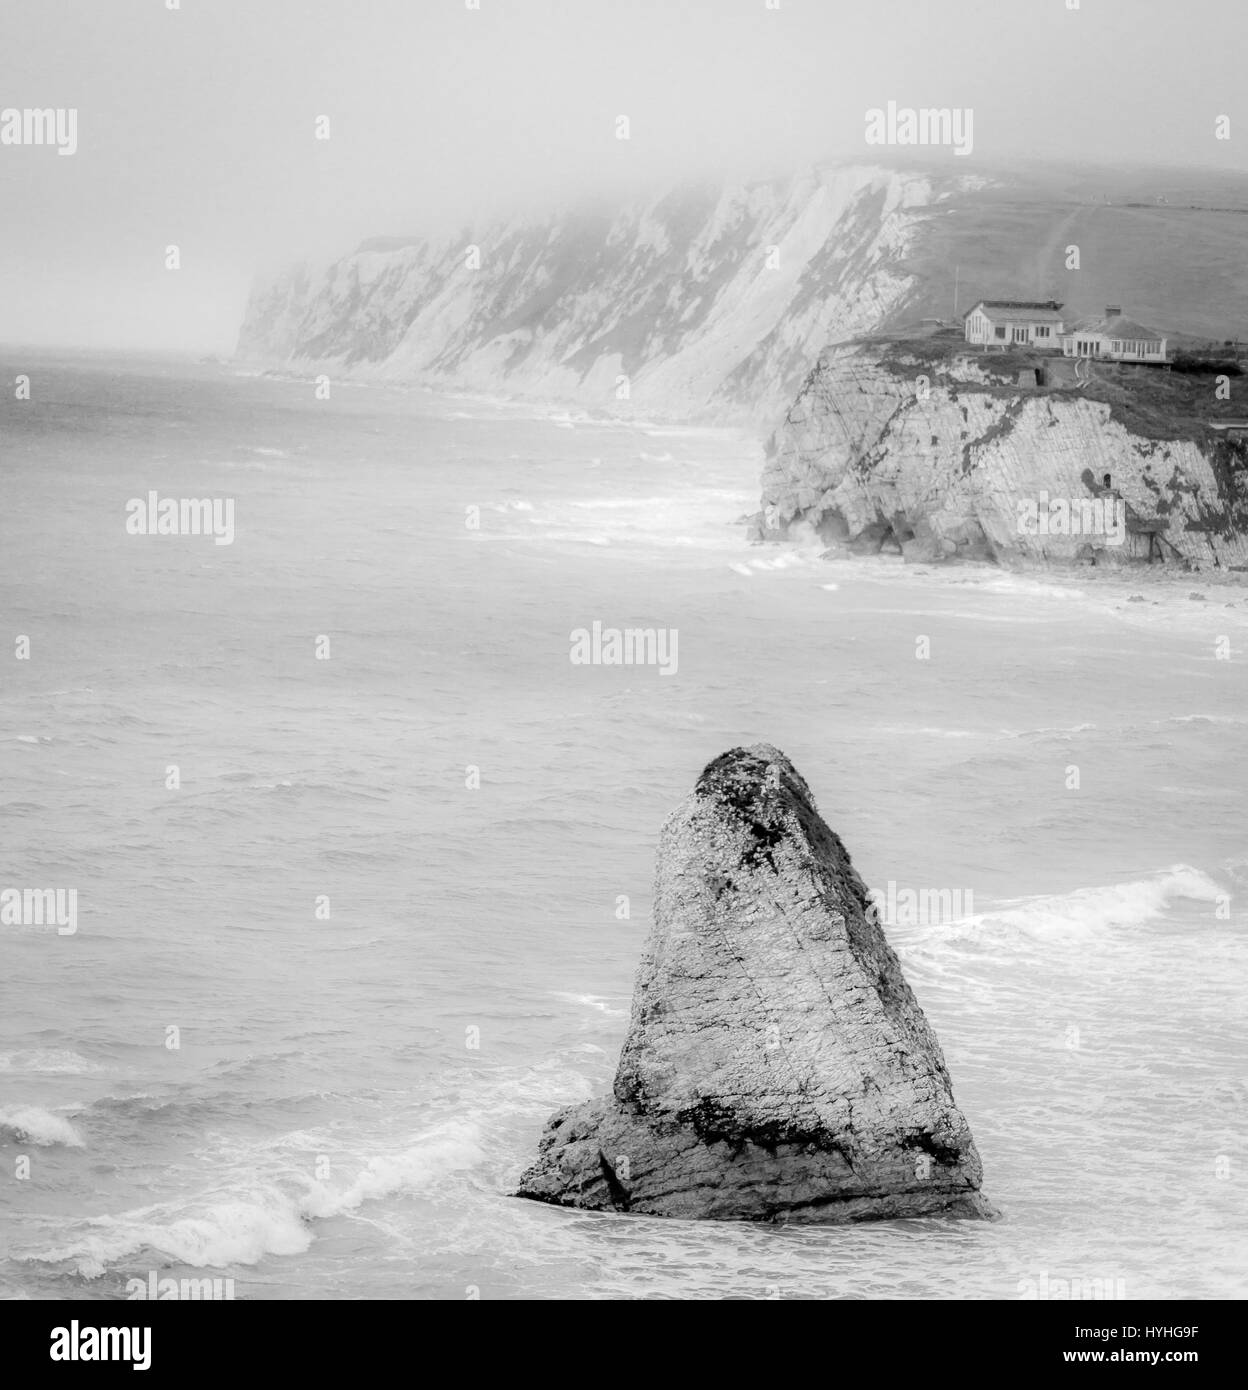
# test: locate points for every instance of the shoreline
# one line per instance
(1066, 575)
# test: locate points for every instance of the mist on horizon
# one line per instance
(250, 136)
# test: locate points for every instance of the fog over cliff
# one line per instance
(201, 125)
(714, 300)
(707, 299)
(755, 304)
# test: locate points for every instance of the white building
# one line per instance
(1009, 322)
(1113, 338)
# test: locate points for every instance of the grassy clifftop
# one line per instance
(1150, 401)
(1178, 265)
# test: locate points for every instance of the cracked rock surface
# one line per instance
(777, 1065)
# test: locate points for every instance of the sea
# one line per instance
(363, 859)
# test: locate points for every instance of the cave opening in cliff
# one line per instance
(832, 529)
(894, 536)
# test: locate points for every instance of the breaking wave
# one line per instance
(242, 1225)
(1087, 912)
(31, 1125)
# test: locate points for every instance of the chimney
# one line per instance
(1113, 311)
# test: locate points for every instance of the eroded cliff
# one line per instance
(936, 451)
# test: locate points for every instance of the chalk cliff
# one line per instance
(777, 1065)
(931, 449)
(706, 300)
(763, 304)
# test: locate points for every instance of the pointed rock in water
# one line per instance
(777, 1066)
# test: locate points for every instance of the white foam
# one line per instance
(451, 1148)
(593, 1001)
(51, 1061)
(1088, 912)
(1035, 588)
(203, 1233)
(35, 1126)
(246, 1219)
(1050, 729)
(783, 560)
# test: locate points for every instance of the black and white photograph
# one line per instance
(624, 664)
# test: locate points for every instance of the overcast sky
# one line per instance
(196, 126)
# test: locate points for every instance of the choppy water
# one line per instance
(326, 1127)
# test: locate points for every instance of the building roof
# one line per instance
(1117, 327)
(1033, 310)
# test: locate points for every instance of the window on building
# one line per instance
(1042, 330)
(1000, 332)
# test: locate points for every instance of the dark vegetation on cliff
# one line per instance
(1151, 401)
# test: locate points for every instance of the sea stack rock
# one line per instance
(777, 1066)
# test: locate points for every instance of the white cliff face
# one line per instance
(868, 455)
(704, 302)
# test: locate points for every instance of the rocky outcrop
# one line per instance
(925, 449)
(777, 1065)
(707, 300)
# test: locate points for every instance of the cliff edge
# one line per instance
(928, 446)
